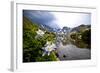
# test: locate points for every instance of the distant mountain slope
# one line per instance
(81, 36)
(81, 28)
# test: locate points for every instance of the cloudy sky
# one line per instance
(58, 19)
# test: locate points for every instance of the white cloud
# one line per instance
(71, 19)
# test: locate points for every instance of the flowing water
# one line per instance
(71, 52)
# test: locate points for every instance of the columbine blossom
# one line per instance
(49, 47)
(40, 32)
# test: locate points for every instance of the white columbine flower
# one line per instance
(40, 32)
(49, 48)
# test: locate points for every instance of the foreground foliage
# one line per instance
(32, 51)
